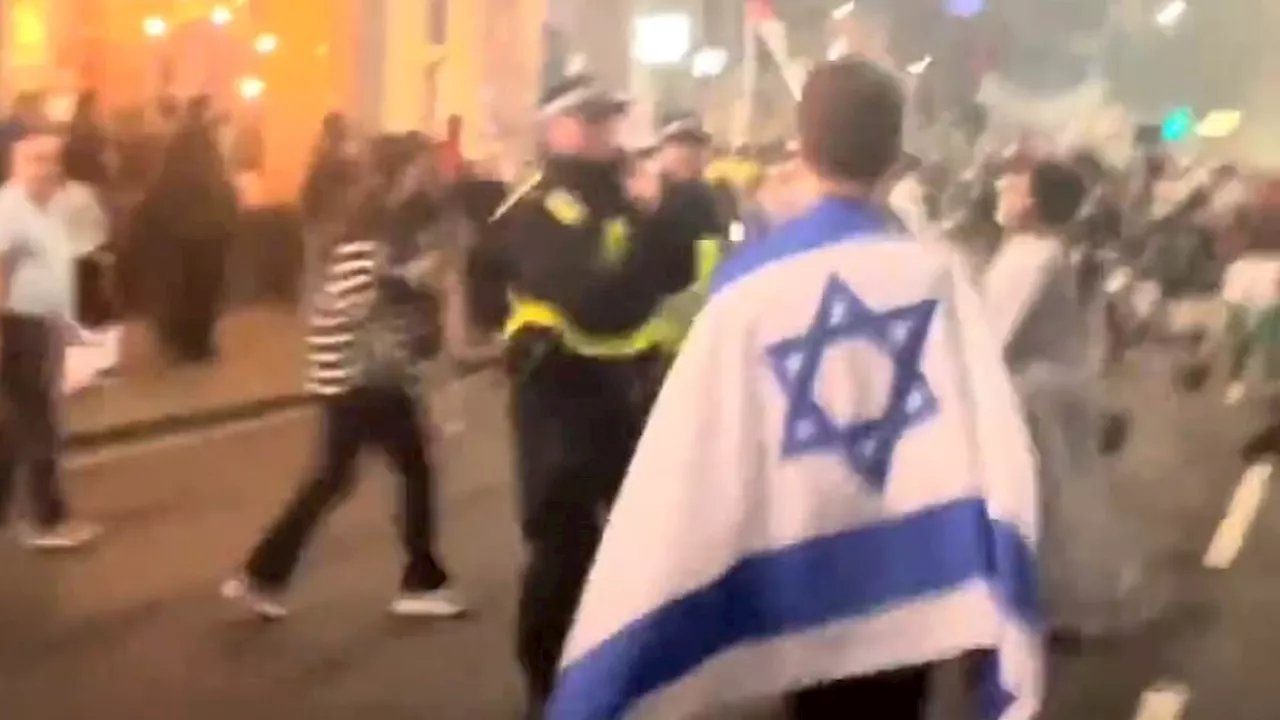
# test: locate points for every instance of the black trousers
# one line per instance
(576, 423)
(386, 418)
(187, 323)
(94, 294)
(894, 695)
(31, 352)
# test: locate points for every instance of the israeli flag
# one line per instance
(836, 480)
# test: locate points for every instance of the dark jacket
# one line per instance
(561, 264)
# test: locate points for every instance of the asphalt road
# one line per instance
(135, 629)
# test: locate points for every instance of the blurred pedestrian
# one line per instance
(188, 219)
(369, 342)
(26, 114)
(319, 201)
(37, 235)
(1096, 574)
(86, 157)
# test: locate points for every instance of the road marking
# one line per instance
(451, 396)
(1241, 512)
(1163, 701)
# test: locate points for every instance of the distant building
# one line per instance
(390, 64)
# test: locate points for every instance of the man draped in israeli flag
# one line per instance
(836, 489)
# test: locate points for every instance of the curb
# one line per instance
(175, 423)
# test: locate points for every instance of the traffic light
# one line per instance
(1178, 124)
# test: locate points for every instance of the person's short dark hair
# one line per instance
(1058, 191)
(850, 120)
(1089, 164)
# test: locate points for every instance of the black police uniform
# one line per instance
(586, 283)
(690, 208)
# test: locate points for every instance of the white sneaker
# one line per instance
(1235, 394)
(442, 603)
(264, 605)
(70, 535)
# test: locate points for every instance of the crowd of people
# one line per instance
(650, 317)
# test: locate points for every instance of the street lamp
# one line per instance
(918, 67)
(1171, 13)
(155, 27)
(838, 48)
(265, 44)
(220, 15)
(576, 64)
(1219, 124)
(661, 39)
(251, 87)
(709, 62)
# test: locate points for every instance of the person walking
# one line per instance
(368, 346)
(37, 318)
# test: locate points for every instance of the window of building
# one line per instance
(437, 21)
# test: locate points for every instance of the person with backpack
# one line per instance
(374, 325)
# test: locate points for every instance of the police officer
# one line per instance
(689, 215)
(586, 281)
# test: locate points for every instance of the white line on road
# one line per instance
(1241, 512)
(1167, 700)
(1163, 701)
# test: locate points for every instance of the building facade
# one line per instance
(462, 68)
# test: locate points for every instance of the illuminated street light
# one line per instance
(918, 67)
(220, 15)
(1171, 13)
(155, 27)
(251, 87)
(661, 38)
(843, 11)
(709, 62)
(1219, 124)
(265, 44)
(576, 64)
(838, 48)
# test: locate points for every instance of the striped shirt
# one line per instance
(339, 308)
(368, 319)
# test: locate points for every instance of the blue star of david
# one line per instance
(866, 445)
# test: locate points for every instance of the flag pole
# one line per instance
(750, 76)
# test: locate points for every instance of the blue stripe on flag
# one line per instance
(798, 588)
(831, 222)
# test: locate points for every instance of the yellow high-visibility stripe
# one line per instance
(707, 257)
(615, 241)
(529, 313)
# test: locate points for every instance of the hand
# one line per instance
(73, 333)
(645, 188)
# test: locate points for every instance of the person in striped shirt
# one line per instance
(373, 326)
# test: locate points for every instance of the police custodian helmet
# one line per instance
(684, 129)
(581, 95)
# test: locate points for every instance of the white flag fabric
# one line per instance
(836, 480)
(93, 353)
(1252, 282)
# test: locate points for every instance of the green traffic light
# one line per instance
(1178, 124)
